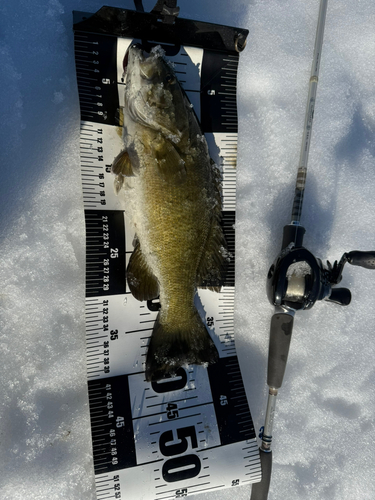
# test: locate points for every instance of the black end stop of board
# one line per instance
(145, 25)
(259, 491)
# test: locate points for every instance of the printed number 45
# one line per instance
(181, 493)
(172, 411)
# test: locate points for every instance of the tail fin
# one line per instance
(171, 347)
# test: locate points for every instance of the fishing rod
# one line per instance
(297, 279)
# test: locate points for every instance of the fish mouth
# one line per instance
(136, 50)
(145, 97)
(142, 58)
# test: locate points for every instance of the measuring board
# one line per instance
(192, 432)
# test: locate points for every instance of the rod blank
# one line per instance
(309, 116)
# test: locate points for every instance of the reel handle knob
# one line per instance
(362, 259)
(340, 296)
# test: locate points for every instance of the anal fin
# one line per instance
(142, 282)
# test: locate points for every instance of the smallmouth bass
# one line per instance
(173, 198)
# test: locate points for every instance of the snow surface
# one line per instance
(324, 428)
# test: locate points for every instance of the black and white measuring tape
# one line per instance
(193, 432)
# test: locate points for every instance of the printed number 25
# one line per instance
(114, 253)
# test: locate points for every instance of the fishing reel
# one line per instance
(297, 279)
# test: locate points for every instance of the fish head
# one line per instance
(153, 95)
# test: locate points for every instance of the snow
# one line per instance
(324, 426)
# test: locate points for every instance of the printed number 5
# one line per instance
(182, 446)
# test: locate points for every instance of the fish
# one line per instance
(173, 198)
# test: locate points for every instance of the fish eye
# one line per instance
(170, 78)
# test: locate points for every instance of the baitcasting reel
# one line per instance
(297, 279)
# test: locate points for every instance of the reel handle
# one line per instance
(361, 259)
(340, 296)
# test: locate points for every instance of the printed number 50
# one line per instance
(183, 467)
(182, 446)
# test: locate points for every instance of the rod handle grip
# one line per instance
(259, 491)
(280, 337)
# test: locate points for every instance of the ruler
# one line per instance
(192, 432)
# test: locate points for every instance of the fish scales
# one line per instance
(174, 202)
(179, 218)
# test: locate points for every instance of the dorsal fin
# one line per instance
(215, 256)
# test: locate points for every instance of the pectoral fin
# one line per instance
(122, 167)
(142, 282)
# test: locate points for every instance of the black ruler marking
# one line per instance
(227, 222)
(218, 92)
(111, 424)
(96, 68)
(105, 253)
(228, 391)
